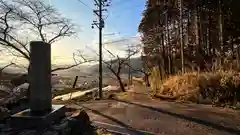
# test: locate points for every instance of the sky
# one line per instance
(121, 22)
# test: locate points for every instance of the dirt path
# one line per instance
(138, 114)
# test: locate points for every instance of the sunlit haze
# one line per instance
(121, 23)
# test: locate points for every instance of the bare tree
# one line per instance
(144, 71)
(116, 64)
(6, 66)
(22, 21)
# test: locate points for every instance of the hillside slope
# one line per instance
(136, 63)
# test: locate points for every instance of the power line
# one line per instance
(84, 4)
(120, 40)
(121, 2)
(124, 10)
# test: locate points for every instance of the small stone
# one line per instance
(62, 127)
(28, 132)
(79, 122)
(4, 112)
(111, 96)
(81, 115)
(50, 133)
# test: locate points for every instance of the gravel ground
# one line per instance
(164, 118)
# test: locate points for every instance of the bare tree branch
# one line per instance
(67, 67)
(21, 20)
(20, 43)
(6, 43)
(6, 66)
(65, 31)
(115, 65)
(21, 66)
(77, 63)
(138, 69)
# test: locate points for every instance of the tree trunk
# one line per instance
(181, 35)
(238, 57)
(221, 32)
(232, 48)
(198, 35)
(147, 80)
(169, 48)
(163, 60)
(210, 50)
(121, 83)
(160, 70)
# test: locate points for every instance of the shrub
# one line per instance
(219, 88)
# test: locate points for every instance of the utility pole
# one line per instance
(100, 4)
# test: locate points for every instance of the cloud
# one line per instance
(117, 45)
(62, 51)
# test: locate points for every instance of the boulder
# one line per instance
(19, 80)
(79, 122)
(4, 112)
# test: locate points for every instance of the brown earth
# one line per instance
(134, 111)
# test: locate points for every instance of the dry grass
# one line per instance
(102, 131)
(138, 79)
(220, 87)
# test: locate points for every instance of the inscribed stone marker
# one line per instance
(40, 77)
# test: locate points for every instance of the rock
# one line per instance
(4, 112)
(19, 80)
(28, 132)
(63, 128)
(81, 115)
(76, 124)
(89, 93)
(79, 122)
(94, 95)
(111, 96)
(51, 133)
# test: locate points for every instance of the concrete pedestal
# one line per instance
(27, 119)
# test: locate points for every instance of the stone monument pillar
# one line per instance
(40, 77)
(41, 112)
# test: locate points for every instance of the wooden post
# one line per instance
(75, 82)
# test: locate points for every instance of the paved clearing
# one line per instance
(139, 112)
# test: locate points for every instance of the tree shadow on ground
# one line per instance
(129, 128)
(196, 120)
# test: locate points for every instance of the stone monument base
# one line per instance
(26, 119)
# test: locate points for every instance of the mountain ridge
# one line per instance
(92, 70)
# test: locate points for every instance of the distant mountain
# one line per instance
(85, 70)
(135, 63)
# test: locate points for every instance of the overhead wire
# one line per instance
(84, 4)
(120, 2)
